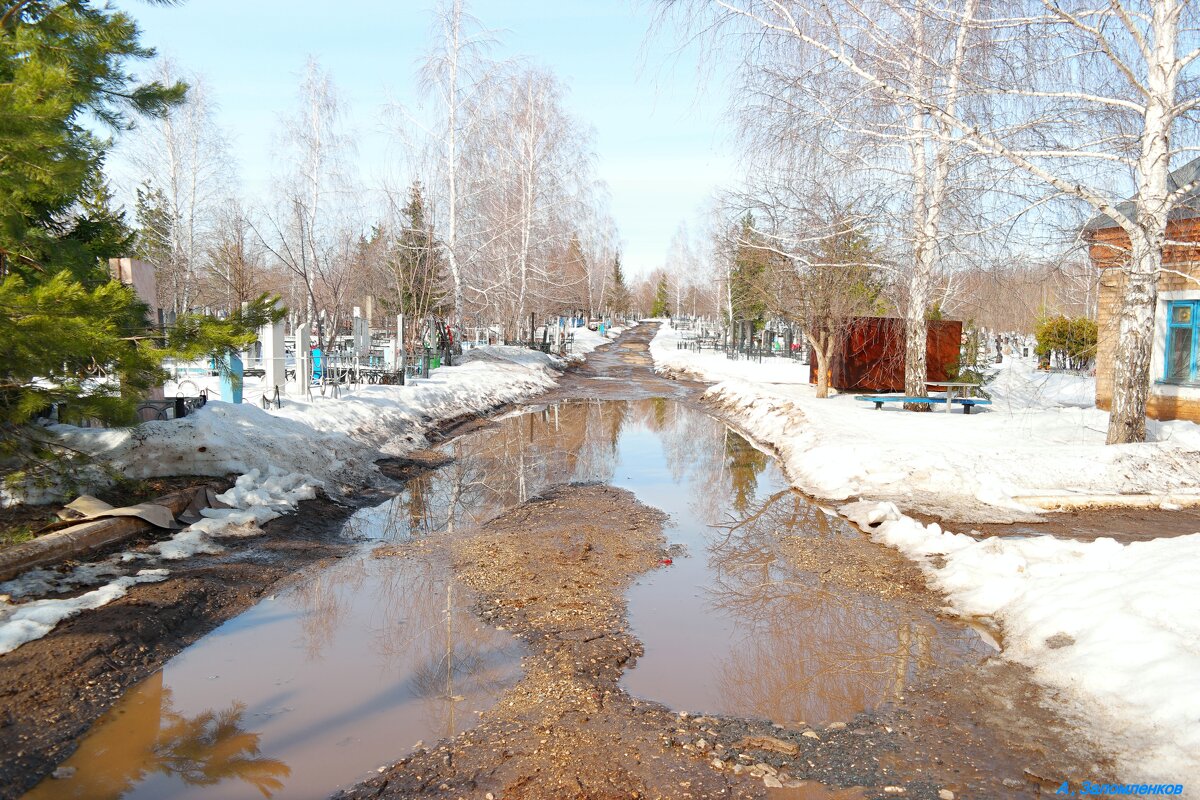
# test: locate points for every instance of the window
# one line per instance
(1183, 327)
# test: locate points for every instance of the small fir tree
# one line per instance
(662, 301)
(750, 274)
(619, 304)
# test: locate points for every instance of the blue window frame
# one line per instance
(1183, 335)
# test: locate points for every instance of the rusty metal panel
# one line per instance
(871, 356)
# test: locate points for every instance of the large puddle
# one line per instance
(314, 688)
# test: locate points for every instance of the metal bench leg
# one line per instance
(879, 406)
(966, 408)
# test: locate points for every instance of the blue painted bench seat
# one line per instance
(879, 399)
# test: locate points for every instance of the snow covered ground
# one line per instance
(586, 340)
(1114, 628)
(1042, 436)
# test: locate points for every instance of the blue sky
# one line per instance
(661, 142)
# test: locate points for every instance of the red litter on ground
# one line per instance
(666, 562)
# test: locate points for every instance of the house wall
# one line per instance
(1109, 250)
(139, 275)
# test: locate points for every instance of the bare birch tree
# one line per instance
(235, 260)
(306, 231)
(451, 75)
(184, 165)
(795, 98)
(534, 189)
(1092, 101)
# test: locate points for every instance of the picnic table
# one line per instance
(951, 386)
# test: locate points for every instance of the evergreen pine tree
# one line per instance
(63, 321)
(417, 263)
(62, 61)
(749, 275)
(152, 241)
(619, 293)
(662, 299)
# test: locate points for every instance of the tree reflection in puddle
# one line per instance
(809, 649)
(148, 742)
(743, 627)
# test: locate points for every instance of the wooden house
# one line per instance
(1175, 361)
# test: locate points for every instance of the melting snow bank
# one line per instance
(254, 501)
(24, 623)
(334, 440)
(1115, 627)
(283, 457)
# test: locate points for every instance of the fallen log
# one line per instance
(84, 537)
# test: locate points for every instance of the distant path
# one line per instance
(622, 370)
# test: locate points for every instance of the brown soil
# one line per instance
(54, 688)
(858, 564)
(415, 463)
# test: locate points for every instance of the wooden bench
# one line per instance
(879, 399)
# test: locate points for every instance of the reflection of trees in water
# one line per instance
(437, 646)
(400, 606)
(417, 507)
(428, 636)
(745, 464)
(144, 736)
(501, 467)
(326, 597)
(811, 650)
(208, 748)
(703, 451)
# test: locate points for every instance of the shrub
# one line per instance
(1069, 343)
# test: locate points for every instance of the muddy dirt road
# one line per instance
(605, 593)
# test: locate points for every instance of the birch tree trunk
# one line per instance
(1131, 367)
(454, 53)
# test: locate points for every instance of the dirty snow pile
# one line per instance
(1115, 627)
(334, 440)
(254, 500)
(617, 330)
(24, 623)
(1042, 436)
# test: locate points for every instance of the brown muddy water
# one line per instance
(316, 687)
